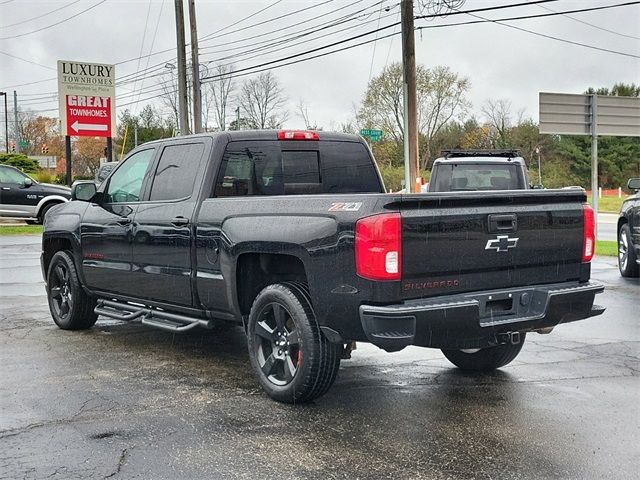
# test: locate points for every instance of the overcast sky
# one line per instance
(500, 62)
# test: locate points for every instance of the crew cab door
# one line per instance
(16, 198)
(163, 229)
(106, 227)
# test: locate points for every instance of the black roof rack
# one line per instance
(509, 152)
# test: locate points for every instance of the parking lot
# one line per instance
(124, 401)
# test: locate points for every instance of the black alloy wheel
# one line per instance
(70, 306)
(626, 254)
(292, 358)
(61, 296)
(277, 344)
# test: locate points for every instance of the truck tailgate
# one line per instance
(471, 241)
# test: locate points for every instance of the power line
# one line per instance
(486, 9)
(239, 73)
(213, 35)
(373, 54)
(592, 25)
(27, 61)
(54, 24)
(247, 52)
(552, 37)
(253, 68)
(243, 19)
(40, 16)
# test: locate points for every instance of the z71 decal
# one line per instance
(345, 207)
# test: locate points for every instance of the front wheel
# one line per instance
(292, 358)
(70, 306)
(486, 359)
(626, 253)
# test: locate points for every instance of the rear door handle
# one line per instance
(180, 221)
(6, 188)
(123, 221)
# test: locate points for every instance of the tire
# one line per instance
(626, 253)
(487, 359)
(44, 211)
(293, 360)
(70, 306)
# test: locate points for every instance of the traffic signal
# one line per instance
(44, 149)
(12, 146)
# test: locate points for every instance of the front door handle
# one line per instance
(6, 188)
(124, 221)
(180, 221)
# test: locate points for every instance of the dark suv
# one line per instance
(23, 197)
(629, 232)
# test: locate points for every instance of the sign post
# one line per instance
(86, 93)
(590, 114)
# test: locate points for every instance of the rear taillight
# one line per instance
(379, 247)
(297, 135)
(589, 233)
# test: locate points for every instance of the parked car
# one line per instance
(472, 170)
(290, 234)
(104, 170)
(22, 197)
(629, 232)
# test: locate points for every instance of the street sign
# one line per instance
(373, 135)
(86, 93)
(568, 114)
(23, 144)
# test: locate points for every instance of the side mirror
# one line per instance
(633, 184)
(83, 190)
(27, 182)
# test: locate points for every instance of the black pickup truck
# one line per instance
(290, 234)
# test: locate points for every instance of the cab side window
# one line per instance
(125, 184)
(251, 168)
(176, 172)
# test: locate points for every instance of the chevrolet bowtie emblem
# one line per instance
(501, 243)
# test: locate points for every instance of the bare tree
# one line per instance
(441, 98)
(217, 94)
(263, 101)
(169, 94)
(440, 102)
(498, 115)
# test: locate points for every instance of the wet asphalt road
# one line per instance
(125, 401)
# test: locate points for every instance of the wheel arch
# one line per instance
(49, 199)
(257, 269)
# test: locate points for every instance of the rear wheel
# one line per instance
(626, 253)
(292, 358)
(486, 359)
(71, 308)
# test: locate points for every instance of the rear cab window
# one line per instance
(296, 168)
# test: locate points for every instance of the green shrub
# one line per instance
(20, 161)
(44, 176)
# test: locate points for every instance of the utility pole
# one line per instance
(594, 158)
(135, 136)
(411, 161)
(195, 67)
(15, 118)
(6, 122)
(238, 118)
(182, 70)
